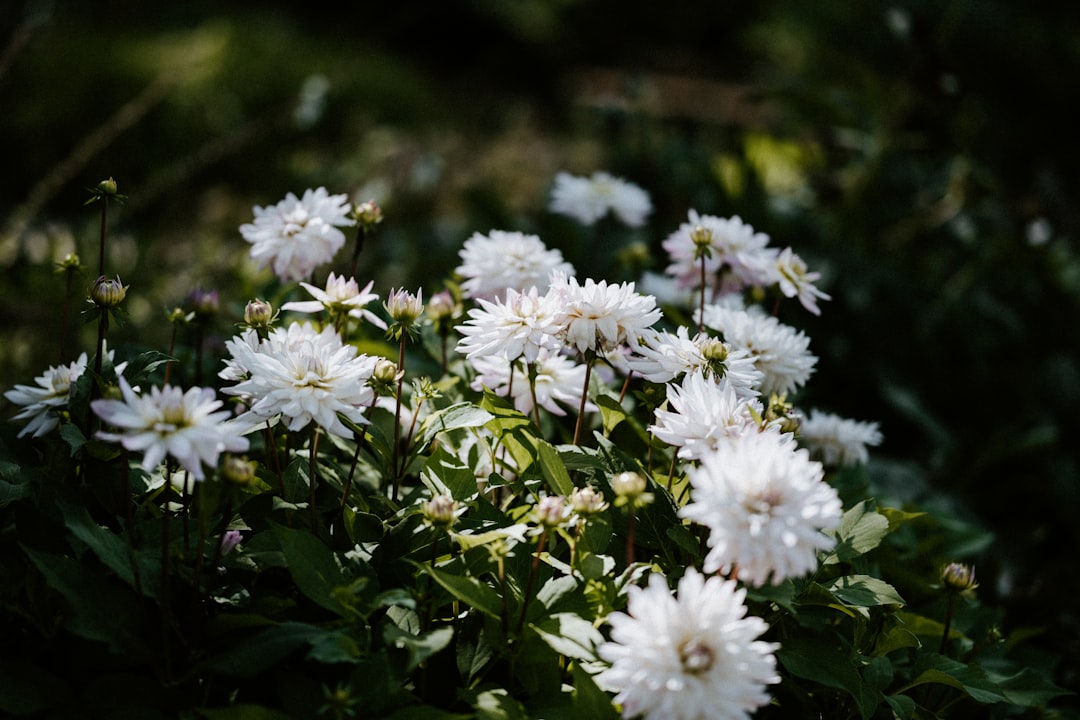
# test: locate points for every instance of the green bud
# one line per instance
(238, 470)
(628, 484)
(958, 577)
(107, 187)
(587, 501)
(440, 511)
(258, 313)
(368, 214)
(108, 293)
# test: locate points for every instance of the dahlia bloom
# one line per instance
(795, 281)
(189, 426)
(500, 260)
(835, 440)
(780, 351)
(767, 508)
(298, 234)
(705, 414)
(44, 404)
(732, 246)
(558, 381)
(341, 296)
(302, 376)
(664, 356)
(599, 316)
(526, 323)
(696, 656)
(588, 199)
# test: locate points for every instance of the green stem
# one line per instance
(397, 418)
(312, 466)
(701, 307)
(590, 358)
(532, 581)
(948, 623)
(532, 392)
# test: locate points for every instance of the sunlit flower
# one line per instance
(298, 234)
(835, 440)
(766, 506)
(734, 249)
(704, 414)
(520, 327)
(44, 404)
(187, 425)
(664, 356)
(795, 281)
(558, 381)
(696, 656)
(301, 376)
(599, 316)
(341, 296)
(780, 351)
(588, 199)
(500, 260)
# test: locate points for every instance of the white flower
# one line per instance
(303, 376)
(705, 414)
(781, 352)
(795, 281)
(589, 199)
(600, 317)
(500, 260)
(838, 441)
(169, 421)
(520, 327)
(558, 380)
(692, 657)
(340, 296)
(44, 404)
(733, 246)
(297, 235)
(664, 356)
(765, 504)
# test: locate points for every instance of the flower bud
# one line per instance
(238, 470)
(368, 214)
(108, 293)
(204, 303)
(107, 187)
(628, 484)
(957, 577)
(258, 313)
(403, 307)
(587, 501)
(176, 316)
(70, 262)
(702, 238)
(441, 306)
(551, 511)
(385, 372)
(440, 511)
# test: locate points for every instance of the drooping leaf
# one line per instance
(138, 569)
(418, 647)
(457, 416)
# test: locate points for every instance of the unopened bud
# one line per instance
(702, 237)
(440, 510)
(238, 470)
(441, 306)
(551, 511)
(405, 308)
(108, 293)
(107, 187)
(385, 372)
(204, 303)
(628, 484)
(258, 313)
(587, 501)
(958, 577)
(70, 262)
(368, 214)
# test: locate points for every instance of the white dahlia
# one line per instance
(704, 414)
(732, 246)
(298, 234)
(601, 317)
(588, 199)
(526, 323)
(492, 263)
(340, 297)
(835, 440)
(664, 356)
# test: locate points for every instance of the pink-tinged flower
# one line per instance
(526, 323)
(340, 297)
(780, 351)
(187, 425)
(301, 376)
(601, 317)
(298, 234)
(493, 263)
(588, 199)
(694, 656)
(835, 440)
(705, 413)
(767, 508)
(735, 255)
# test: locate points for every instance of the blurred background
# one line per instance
(921, 155)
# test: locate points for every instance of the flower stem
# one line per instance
(397, 419)
(312, 478)
(630, 535)
(532, 392)
(532, 581)
(589, 360)
(948, 623)
(701, 307)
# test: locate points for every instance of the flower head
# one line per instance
(664, 356)
(188, 425)
(340, 297)
(298, 234)
(726, 244)
(601, 317)
(694, 656)
(835, 440)
(588, 199)
(558, 381)
(526, 323)
(766, 505)
(795, 281)
(108, 292)
(43, 405)
(301, 376)
(780, 351)
(704, 414)
(500, 260)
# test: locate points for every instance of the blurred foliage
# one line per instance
(918, 153)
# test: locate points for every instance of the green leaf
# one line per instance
(861, 530)
(468, 589)
(73, 436)
(1028, 688)
(445, 473)
(903, 707)
(312, 566)
(970, 679)
(10, 492)
(498, 705)
(864, 591)
(459, 415)
(253, 655)
(113, 550)
(551, 465)
(611, 412)
(589, 700)
(824, 662)
(569, 634)
(897, 518)
(418, 647)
